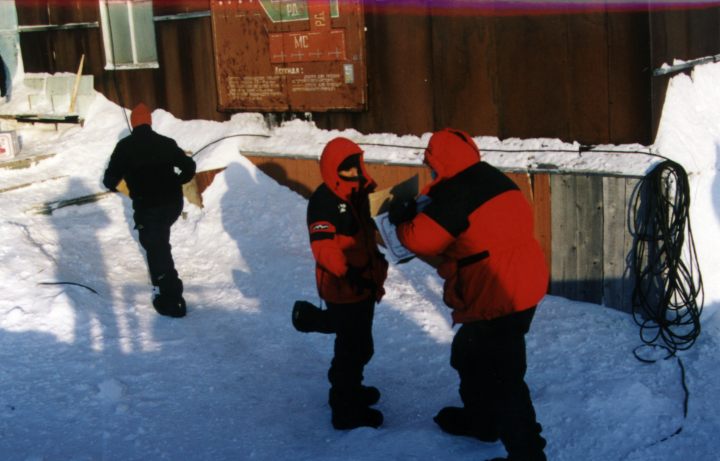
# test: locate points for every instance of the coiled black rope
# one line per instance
(668, 292)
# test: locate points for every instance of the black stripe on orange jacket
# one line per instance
(482, 226)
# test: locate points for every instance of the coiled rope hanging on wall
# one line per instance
(668, 292)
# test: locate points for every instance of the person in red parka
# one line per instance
(480, 226)
(350, 272)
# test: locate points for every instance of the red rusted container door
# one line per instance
(286, 55)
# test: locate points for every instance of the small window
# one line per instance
(128, 34)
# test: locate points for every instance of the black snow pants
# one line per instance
(353, 346)
(153, 226)
(490, 359)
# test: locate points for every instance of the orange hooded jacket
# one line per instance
(342, 233)
(482, 226)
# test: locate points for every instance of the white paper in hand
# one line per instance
(394, 250)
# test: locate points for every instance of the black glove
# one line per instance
(111, 183)
(401, 211)
(357, 281)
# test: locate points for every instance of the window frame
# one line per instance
(107, 22)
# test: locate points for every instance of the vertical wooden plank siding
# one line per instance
(522, 180)
(463, 73)
(629, 78)
(563, 270)
(542, 213)
(532, 90)
(613, 244)
(631, 188)
(591, 240)
(399, 66)
(588, 72)
(617, 244)
(536, 189)
(587, 198)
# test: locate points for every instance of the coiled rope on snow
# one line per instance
(668, 292)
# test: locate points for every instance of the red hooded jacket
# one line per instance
(342, 233)
(482, 226)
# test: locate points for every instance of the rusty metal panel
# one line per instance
(542, 212)
(289, 55)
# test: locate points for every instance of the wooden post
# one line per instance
(73, 98)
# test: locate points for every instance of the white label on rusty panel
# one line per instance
(7, 145)
(349, 70)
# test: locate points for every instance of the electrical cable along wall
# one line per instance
(668, 291)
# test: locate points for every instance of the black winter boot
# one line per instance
(459, 421)
(170, 301)
(308, 318)
(350, 408)
(352, 417)
(529, 447)
(365, 396)
(368, 395)
(540, 457)
(170, 307)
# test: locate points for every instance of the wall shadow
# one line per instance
(716, 184)
(274, 277)
(80, 260)
(279, 174)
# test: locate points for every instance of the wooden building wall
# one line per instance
(682, 34)
(183, 84)
(592, 238)
(582, 76)
(581, 221)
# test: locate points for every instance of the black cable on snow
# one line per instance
(668, 291)
(68, 283)
(230, 136)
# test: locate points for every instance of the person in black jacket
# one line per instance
(147, 161)
(3, 84)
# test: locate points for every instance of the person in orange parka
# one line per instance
(481, 227)
(350, 272)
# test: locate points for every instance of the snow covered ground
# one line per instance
(98, 375)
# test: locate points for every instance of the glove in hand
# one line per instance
(401, 211)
